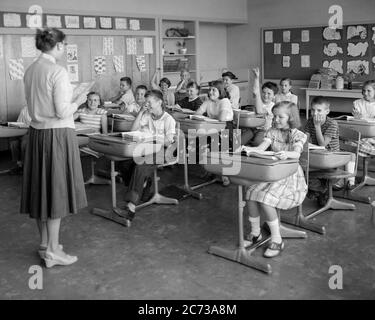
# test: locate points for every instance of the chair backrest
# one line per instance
(349, 141)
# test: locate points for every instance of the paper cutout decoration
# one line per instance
(34, 20)
(73, 72)
(268, 37)
(99, 64)
(305, 61)
(295, 48)
(357, 65)
(134, 24)
(356, 31)
(357, 49)
(305, 35)
(28, 49)
(277, 48)
(12, 20)
(118, 63)
(332, 49)
(286, 61)
(16, 69)
(121, 23)
(331, 34)
(72, 22)
(108, 46)
(373, 34)
(89, 22)
(53, 21)
(105, 22)
(141, 63)
(286, 36)
(71, 53)
(131, 46)
(147, 46)
(335, 64)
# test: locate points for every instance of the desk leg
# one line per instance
(187, 187)
(241, 254)
(94, 179)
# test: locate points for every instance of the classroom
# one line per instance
(187, 150)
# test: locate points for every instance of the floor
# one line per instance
(164, 254)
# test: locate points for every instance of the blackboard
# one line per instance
(273, 63)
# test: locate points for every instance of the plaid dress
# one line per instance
(291, 191)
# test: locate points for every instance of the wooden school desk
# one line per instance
(333, 93)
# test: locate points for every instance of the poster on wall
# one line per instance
(268, 36)
(71, 53)
(305, 35)
(105, 22)
(28, 49)
(134, 24)
(131, 46)
(286, 61)
(73, 72)
(108, 46)
(89, 22)
(99, 64)
(16, 69)
(118, 63)
(12, 20)
(72, 22)
(147, 46)
(141, 63)
(121, 23)
(54, 21)
(305, 61)
(286, 36)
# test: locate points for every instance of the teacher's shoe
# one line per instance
(42, 251)
(53, 259)
(274, 249)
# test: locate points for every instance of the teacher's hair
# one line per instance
(46, 40)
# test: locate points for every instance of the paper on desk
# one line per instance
(82, 88)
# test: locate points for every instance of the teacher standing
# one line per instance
(52, 186)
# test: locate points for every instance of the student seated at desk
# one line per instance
(140, 101)
(192, 101)
(125, 97)
(287, 141)
(18, 145)
(151, 118)
(285, 94)
(233, 91)
(92, 115)
(324, 131)
(181, 89)
(365, 109)
(264, 101)
(164, 84)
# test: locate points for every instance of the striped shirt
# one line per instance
(330, 128)
(94, 120)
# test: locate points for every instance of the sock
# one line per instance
(255, 226)
(350, 168)
(131, 207)
(275, 230)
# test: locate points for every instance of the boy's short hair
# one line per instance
(286, 79)
(369, 83)
(271, 85)
(193, 84)
(166, 81)
(294, 120)
(127, 80)
(320, 100)
(156, 94)
(141, 86)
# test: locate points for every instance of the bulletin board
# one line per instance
(298, 53)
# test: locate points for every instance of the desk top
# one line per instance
(345, 93)
(11, 132)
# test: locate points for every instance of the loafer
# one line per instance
(42, 251)
(126, 214)
(274, 249)
(251, 239)
(53, 259)
(225, 180)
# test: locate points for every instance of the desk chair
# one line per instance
(349, 141)
(299, 219)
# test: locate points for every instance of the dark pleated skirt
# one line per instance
(52, 185)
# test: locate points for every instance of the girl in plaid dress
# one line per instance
(287, 142)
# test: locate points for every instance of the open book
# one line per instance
(351, 118)
(202, 118)
(124, 116)
(139, 136)
(251, 152)
(17, 125)
(315, 147)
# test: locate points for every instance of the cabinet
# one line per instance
(178, 52)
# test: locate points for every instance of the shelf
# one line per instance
(178, 72)
(178, 55)
(176, 38)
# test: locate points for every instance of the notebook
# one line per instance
(202, 118)
(250, 152)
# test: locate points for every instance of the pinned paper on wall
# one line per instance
(131, 46)
(141, 63)
(332, 49)
(53, 21)
(134, 24)
(357, 49)
(72, 22)
(1, 47)
(118, 63)
(33, 21)
(108, 46)
(121, 23)
(16, 69)
(147, 46)
(305, 61)
(28, 49)
(105, 22)
(305, 35)
(268, 35)
(73, 72)
(331, 34)
(286, 61)
(277, 48)
(12, 20)
(373, 35)
(358, 66)
(72, 53)
(99, 64)
(89, 22)
(335, 64)
(286, 36)
(295, 48)
(356, 31)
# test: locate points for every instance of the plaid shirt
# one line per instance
(330, 128)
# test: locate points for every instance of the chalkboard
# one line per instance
(314, 48)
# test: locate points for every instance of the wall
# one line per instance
(216, 10)
(244, 40)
